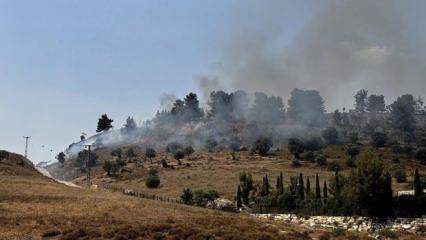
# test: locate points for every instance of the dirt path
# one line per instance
(47, 174)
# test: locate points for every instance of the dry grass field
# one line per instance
(217, 171)
(34, 207)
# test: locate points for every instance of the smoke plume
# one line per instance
(347, 45)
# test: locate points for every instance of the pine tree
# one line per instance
(104, 123)
(239, 195)
(130, 124)
(418, 189)
(308, 187)
(317, 187)
(325, 190)
(301, 190)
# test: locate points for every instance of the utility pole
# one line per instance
(89, 148)
(26, 146)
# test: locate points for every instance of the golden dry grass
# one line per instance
(33, 206)
(217, 171)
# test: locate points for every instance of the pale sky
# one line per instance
(63, 63)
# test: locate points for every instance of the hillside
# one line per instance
(217, 170)
(16, 165)
(32, 207)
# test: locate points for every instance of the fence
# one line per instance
(130, 192)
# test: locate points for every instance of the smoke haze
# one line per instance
(346, 45)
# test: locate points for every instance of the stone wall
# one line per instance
(411, 225)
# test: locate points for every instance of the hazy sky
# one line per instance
(63, 63)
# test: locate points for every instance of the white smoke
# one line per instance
(347, 45)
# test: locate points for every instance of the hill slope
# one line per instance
(33, 206)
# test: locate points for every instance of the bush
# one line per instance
(379, 139)
(117, 153)
(333, 166)
(60, 157)
(295, 146)
(211, 143)
(313, 144)
(188, 151)
(173, 147)
(150, 153)
(387, 233)
(352, 151)
(178, 155)
(295, 162)
(153, 180)
(164, 163)
(187, 196)
(310, 156)
(421, 155)
(107, 167)
(130, 153)
(262, 146)
(201, 198)
(400, 175)
(330, 135)
(4, 155)
(321, 160)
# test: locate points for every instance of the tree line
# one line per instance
(366, 191)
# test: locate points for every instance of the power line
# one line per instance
(26, 146)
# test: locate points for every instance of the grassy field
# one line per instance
(218, 171)
(33, 207)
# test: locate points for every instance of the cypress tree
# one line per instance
(308, 187)
(239, 195)
(317, 187)
(325, 190)
(336, 190)
(265, 186)
(418, 189)
(280, 184)
(277, 185)
(301, 190)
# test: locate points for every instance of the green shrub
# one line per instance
(201, 197)
(333, 166)
(188, 151)
(321, 160)
(399, 174)
(3, 155)
(387, 233)
(379, 139)
(352, 151)
(153, 180)
(310, 156)
(313, 144)
(179, 155)
(173, 147)
(295, 146)
(262, 146)
(187, 196)
(330, 135)
(295, 162)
